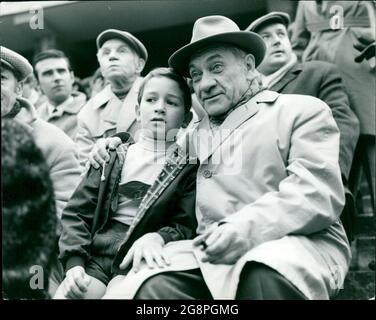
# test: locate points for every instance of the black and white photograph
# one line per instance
(204, 151)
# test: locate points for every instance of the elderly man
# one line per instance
(273, 221)
(283, 73)
(269, 189)
(58, 149)
(53, 71)
(121, 57)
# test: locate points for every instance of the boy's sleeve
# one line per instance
(183, 223)
(77, 219)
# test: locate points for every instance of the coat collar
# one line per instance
(102, 97)
(72, 107)
(75, 106)
(121, 114)
(127, 114)
(210, 142)
(288, 77)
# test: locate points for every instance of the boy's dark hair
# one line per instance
(47, 54)
(28, 213)
(170, 74)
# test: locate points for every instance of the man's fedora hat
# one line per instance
(126, 37)
(272, 17)
(16, 63)
(212, 30)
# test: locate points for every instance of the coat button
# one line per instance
(207, 174)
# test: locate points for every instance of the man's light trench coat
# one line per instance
(271, 169)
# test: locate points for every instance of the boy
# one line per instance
(131, 205)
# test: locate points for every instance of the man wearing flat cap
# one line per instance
(269, 190)
(121, 57)
(282, 72)
(58, 149)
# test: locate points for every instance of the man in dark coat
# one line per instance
(339, 32)
(283, 73)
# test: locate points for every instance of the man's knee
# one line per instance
(155, 287)
(185, 285)
(259, 282)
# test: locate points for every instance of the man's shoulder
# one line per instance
(301, 104)
(79, 101)
(42, 110)
(92, 106)
(51, 135)
(316, 66)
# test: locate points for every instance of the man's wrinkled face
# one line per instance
(219, 78)
(55, 79)
(10, 90)
(278, 48)
(118, 60)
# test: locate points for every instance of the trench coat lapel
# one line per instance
(209, 142)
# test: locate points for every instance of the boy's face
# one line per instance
(161, 111)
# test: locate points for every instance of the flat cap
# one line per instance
(17, 63)
(128, 38)
(272, 17)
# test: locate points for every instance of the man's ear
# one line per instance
(72, 79)
(250, 62)
(250, 65)
(140, 65)
(138, 114)
(19, 88)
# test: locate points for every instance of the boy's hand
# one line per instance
(150, 248)
(100, 153)
(75, 283)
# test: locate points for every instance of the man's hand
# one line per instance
(150, 248)
(224, 244)
(100, 152)
(75, 283)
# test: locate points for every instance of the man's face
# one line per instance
(278, 48)
(55, 79)
(219, 79)
(118, 60)
(10, 89)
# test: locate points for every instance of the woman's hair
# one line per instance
(28, 213)
(168, 73)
